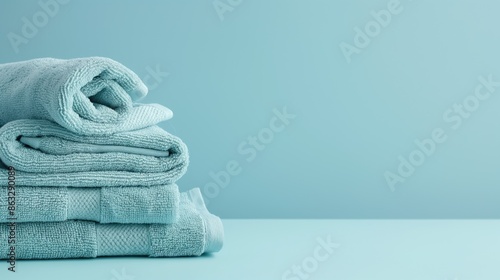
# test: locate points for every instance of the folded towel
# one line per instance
(58, 157)
(89, 96)
(140, 205)
(196, 232)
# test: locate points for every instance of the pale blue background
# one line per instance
(353, 120)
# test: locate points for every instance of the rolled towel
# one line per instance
(196, 232)
(88, 96)
(140, 205)
(46, 154)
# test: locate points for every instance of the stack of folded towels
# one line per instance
(85, 171)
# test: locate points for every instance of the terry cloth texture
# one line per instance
(88, 96)
(147, 205)
(196, 232)
(65, 159)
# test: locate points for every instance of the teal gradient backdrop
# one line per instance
(228, 74)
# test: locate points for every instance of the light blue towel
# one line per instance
(140, 205)
(89, 96)
(48, 145)
(196, 232)
(63, 158)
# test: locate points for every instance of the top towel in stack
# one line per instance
(87, 96)
(82, 149)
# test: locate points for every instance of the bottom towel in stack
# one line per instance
(195, 232)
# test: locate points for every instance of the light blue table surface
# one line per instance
(269, 249)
